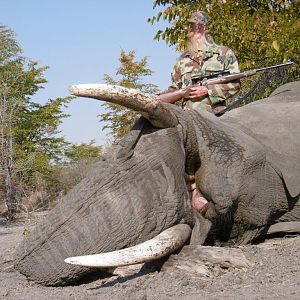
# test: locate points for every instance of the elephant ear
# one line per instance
(274, 122)
(159, 114)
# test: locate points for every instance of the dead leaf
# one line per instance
(275, 45)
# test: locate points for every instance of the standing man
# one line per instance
(203, 57)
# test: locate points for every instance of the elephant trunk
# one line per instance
(122, 202)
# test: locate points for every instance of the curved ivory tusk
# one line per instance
(163, 244)
(130, 98)
(148, 105)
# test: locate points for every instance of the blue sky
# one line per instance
(81, 40)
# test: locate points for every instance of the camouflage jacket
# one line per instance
(216, 58)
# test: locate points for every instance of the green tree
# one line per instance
(83, 151)
(260, 31)
(28, 130)
(131, 71)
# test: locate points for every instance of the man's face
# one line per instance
(196, 30)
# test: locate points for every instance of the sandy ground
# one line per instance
(274, 274)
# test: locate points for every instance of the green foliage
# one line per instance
(259, 31)
(36, 144)
(28, 130)
(37, 128)
(9, 47)
(83, 151)
(131, 71)
(31, 126)
(34, 159)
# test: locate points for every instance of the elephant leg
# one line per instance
(290, 221)
(279, 228)
(294, 211)
(250, 235)
(287, 223)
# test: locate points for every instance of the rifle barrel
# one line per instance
(276, 66)
(247, 73)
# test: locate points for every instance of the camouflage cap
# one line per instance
(199, 17)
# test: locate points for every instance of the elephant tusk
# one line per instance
(149, 106)
(163, 244)
(131, 98)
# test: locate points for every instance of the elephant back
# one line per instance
(275, 123)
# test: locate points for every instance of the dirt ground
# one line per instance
(274, 274)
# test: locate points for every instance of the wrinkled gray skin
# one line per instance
(246, 164)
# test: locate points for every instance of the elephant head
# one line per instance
(139, 189)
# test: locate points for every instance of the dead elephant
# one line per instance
(247, 164)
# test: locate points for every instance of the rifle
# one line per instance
(216, 78)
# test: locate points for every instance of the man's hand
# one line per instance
(197, 93)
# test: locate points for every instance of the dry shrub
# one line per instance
(37, 200)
